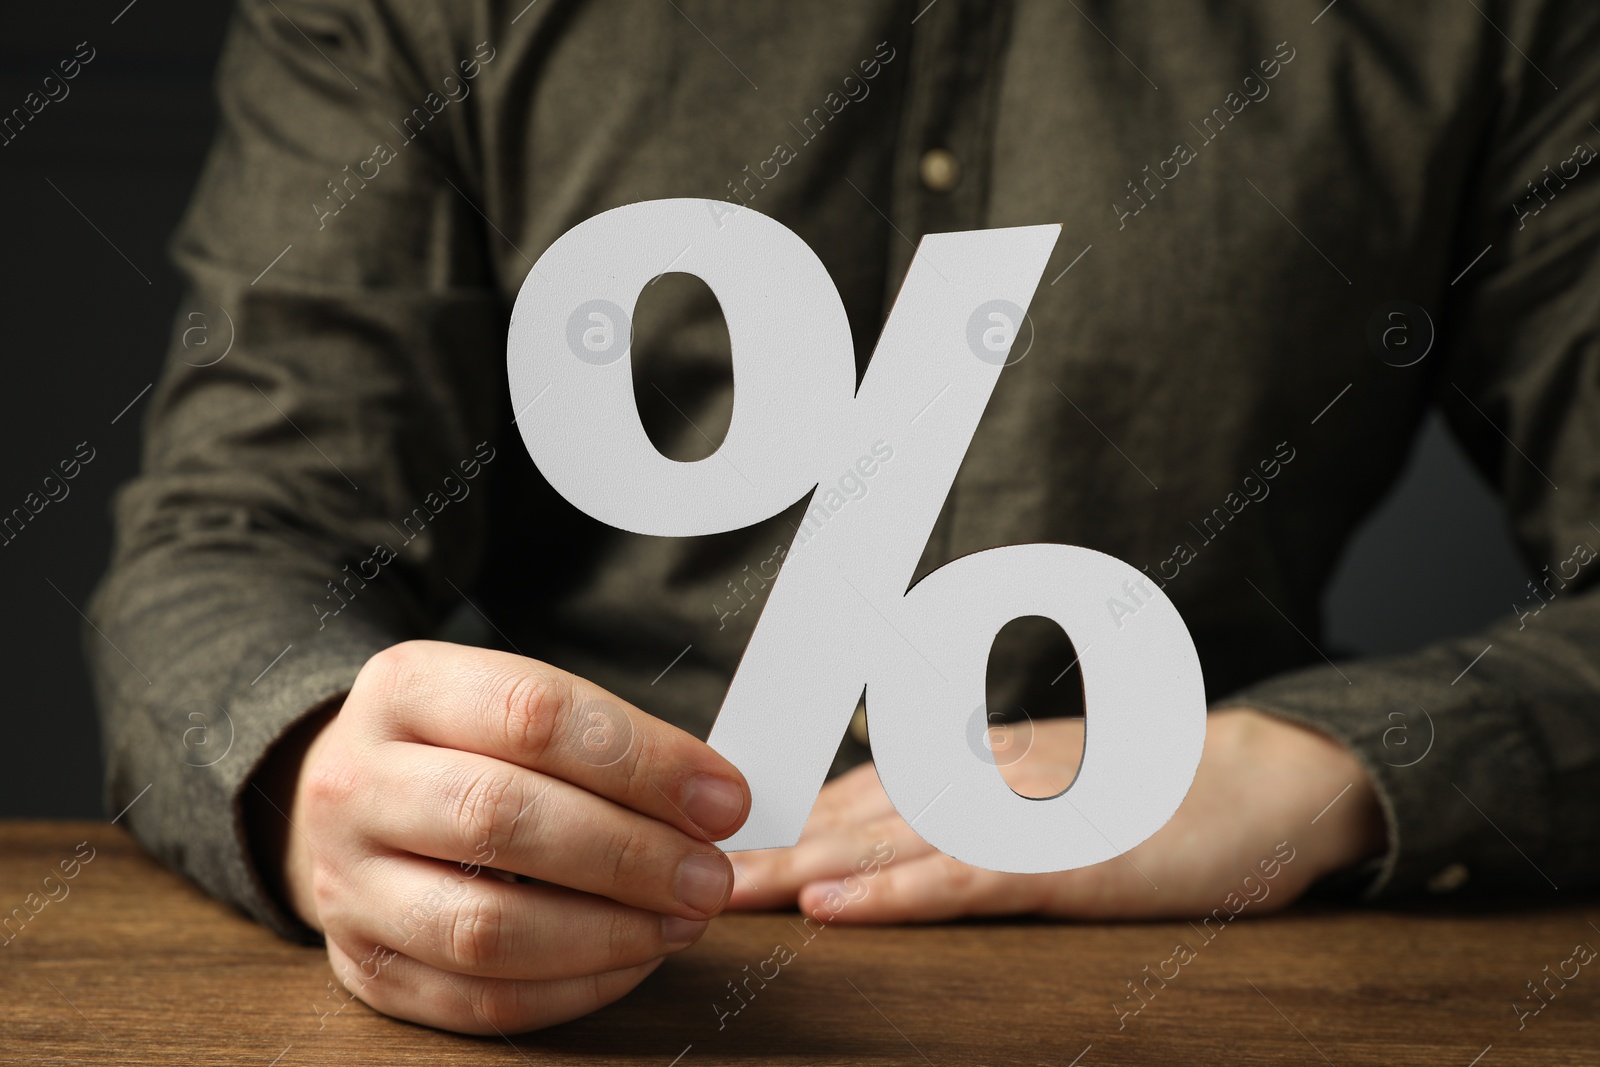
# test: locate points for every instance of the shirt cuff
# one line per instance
(1465, 787)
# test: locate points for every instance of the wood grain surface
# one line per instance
(133, 965)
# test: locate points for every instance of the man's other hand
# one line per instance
(1260, 783)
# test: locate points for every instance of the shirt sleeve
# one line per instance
(317, 452)
(1486, 750)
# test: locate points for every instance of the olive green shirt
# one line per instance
(1244, 192)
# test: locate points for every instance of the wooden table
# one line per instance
(135, 966)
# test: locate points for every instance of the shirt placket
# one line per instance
(944, 151)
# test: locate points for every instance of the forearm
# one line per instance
(200, 668)
(1485, 751)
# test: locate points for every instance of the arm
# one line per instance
(312, 500)
(1508, 795)
(247, 584)
(1507, 798)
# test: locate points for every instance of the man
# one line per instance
(1244, 194)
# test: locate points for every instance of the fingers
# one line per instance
(773, 878)
(838, 837)
(406, 988)
(490, 928)
(483, 812)
(927, 888)
(854, 795)
(859, 861)
(537, 716)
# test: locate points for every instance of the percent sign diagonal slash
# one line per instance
(840, 616)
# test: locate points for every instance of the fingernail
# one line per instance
(712, 803)
(677, 933)
(702, 882)
(831, 897)
(827, 889)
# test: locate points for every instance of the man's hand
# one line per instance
(447, 766)
(1261, 782)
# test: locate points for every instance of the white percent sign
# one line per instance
(840, 616)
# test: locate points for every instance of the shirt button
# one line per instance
(1449, 879)
(940, 171)
(858, 724)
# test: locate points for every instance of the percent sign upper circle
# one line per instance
(599, 332)
(577, 413)
(843, 614)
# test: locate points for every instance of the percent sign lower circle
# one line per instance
(842, 615)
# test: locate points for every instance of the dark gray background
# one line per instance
(88, 306)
